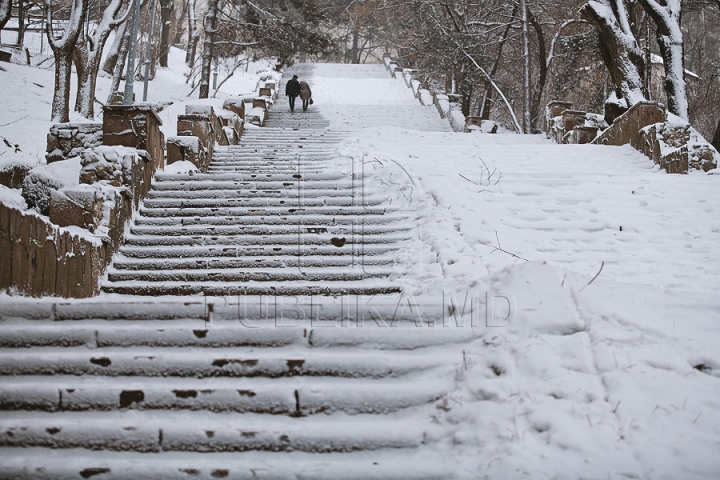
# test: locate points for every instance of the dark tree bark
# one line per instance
(621, 54)
(112, 57)
(208, 48)
(119, 66)
(716, 138)
(193, 35)
(5, 12)
(167, 8)
(63, 52)
(670, 41)
(22, 25)
(542, 74)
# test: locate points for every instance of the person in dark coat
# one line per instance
(305, 94)
(292, 90)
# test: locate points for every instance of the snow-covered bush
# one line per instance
(41, 180)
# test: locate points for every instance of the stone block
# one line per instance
(81, 206)
(235, 105)
(260, 102)
(135, 126)
(556, 108)
(572, 119)
(266, 92)
(188, 148)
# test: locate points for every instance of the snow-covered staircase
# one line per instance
(169, 390)
(272, 215)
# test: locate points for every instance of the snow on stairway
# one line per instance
(274, 215)
(122, 389)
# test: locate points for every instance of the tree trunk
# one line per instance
(5, 12)
(355, 57)
(208, 47)
(535, 107)
(63, 52)
(526, 67)
(193, 35)
(114, 53)
(80, 59)
(120, 63)
(621, 54)
(61, 97)
(166, 11)
(716, 138)
(487, 95)
(179, 18)
(21, 22)
(670, 41)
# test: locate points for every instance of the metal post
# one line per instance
(149, 51)
(130, 73)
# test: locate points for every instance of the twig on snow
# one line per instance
(602, 264)
(10, 123)
(499, 247)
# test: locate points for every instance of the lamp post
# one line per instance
(130, 73)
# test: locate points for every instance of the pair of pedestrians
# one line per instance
(295, 88)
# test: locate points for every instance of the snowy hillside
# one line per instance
(603, 361)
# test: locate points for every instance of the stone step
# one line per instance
(230, 251)
(279, 239)
(328, 178)
(206, 432)
(243, 322)
(288, 229)
(256, 274)
(390, 464)
(288, 288)
(292, 396)
(244, 193)
(264, 211)
(300, 201)
(210, 362)
(205, 185)
(309, 220)
(299, 262)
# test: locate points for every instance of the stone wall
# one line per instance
(67, 140)
(628, 125)
(40, 258)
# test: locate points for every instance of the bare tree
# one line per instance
(88, 52)
(618, 45)
(5, 12)
(670, 40)
(193, 35)
(63, 51)
(211, 21)
(166, 14)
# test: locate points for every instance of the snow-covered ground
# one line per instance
(609, 364)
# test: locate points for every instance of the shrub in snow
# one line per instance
(41, 180)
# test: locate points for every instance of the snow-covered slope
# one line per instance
(561, 345)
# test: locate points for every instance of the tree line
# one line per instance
(504, 60)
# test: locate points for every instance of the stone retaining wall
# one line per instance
(40, 258)
(67, 140)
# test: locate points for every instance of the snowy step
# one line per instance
(215, 251)
(244, 177)
(216, 362)
(259, 201)
(293, 193)
(292, 396)
(387, 330)
(287, 288)
(289, 210)
(296, 238)
(204, 432)
(309, 220)
(170, 184)
(257, 274)
(291, 228)
(24, 463)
